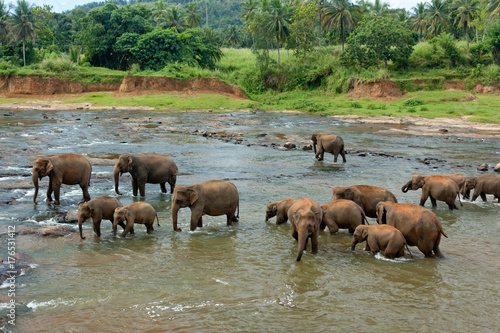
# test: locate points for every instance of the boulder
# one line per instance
(307, 147)
(497, 168)
(53, 230)
(71, 216)
(483, 167)
(289, 145)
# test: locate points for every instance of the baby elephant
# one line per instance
(136, 212)
(344, 214)
(280, 210)
(381, 237)
(99, 208)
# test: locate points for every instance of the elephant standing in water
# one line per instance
(482, 185)
(153, 169)
(305, 215)
(102, 207)
(279, 209)
(366, 196)
(136, 212)
(213, 197)
(345, 214)
(440, 188)
(419, 225)
(329, 143)
(69, 169)
(380, 237)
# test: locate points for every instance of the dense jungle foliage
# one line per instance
(294, 44)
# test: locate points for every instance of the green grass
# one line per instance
(166, 101)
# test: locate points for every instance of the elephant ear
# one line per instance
(364, 233)
(193, 196)
(273, 209)
(349, 194)
(48, 166)
(130, 162)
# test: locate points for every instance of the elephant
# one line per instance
(136, 212)
(305, 215)
(482, 185)
(98, 208)
(69, 169)
(329, 143)
(460, 180)
(381, 237)
(419, 225)
(153, 169)
(440, 188)
(213, 197)
(279, 209)
(366, 196)
(345, 214)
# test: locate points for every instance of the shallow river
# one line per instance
(244, 277)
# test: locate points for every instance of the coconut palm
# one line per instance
(4, 14)
(159, 13)
(437, 16)
(378, 8)
(175, 18)
(278, 26)
(338, 14)
(193, 15)
(22, 25)
(418, 22)
(466, 11)
(493, 6)
(233, 37)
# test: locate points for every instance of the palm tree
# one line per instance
(22, 25)
(418, 22)
(280, 19)
(233, 38)
(493, 6)
(159, 13)
(193, 15)
(175, 18)
(378, 8)
(338, 14)
(437, 15)
(4, 14)
(248, 10)
(466, 11)
(211, 36)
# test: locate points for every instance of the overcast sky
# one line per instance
(63, 5)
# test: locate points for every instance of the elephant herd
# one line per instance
(399, 225)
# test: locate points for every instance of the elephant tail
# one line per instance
(157, 219)
(237, 216)
(365, 219)
(443, 233)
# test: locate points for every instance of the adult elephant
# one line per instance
(213, 197)
(279, 209)
(440, 188)
(482, 185)
(459, 178)
(366, 196)
(153, 169)
(305, 215)
(419, 225)
(69, 169)
(98, 208)
(345, 214)
(329, 143)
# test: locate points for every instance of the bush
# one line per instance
(355, 105)
(58, 65)
(413, 102)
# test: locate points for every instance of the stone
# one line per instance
(289, 145)
(497, 168)
(52, 230)
(307, 147)
(483, 167)
(71, 216)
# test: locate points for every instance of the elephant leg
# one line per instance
(314, 242)
(149, 228)
(343, 155)
(332, 227)
(97, 226)
(335, 155)
(483, 196)
(163, 188)
(282, 218)
(196, 219)
(423, 199)
(130, 225)
(49, 191)
(322, 226)
(134, 186)
(57, 191)
(230, 218)
(372, 246)
(85, 190)
(433, 202)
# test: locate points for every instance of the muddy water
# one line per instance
(243, 278)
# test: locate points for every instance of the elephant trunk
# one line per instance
(175, 210)
(80, 222)
(314, 146)
(302, 243)
(116, 175)
(406, 187)
(35, 183)
(353, 243)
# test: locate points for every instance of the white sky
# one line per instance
(62, 5)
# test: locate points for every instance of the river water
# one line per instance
(244, 277)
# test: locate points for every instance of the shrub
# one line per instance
(58, 65)
(413, 102)
(355, 105)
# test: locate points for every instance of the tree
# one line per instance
(303, 29)
(338, 14)
(418, 22)
(23, 25)
(193, 15)
(4, 15)
(175, 18)
(378, 38)
(233, 37)
(378, 8)
(466, 11)
(437, 16)
(159, 13)
(493, 40)
(278, 25)
(493, 6)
